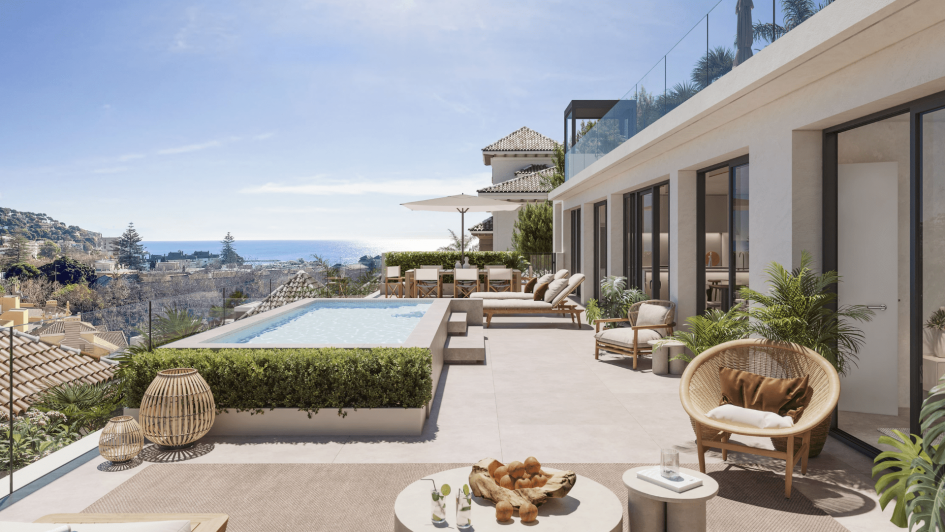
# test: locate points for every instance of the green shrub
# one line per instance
(411, 260)
(307, 379)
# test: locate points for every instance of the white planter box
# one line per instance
(933, 341)
(327, 422)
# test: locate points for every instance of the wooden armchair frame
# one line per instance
(399, 283)
(637, 350)
(464, 291)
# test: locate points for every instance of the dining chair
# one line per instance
(495, 266)
(431, 267)
(394, 282)
(465, 282)
(427, 282)
(499, 280)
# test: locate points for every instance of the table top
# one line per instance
(588, 507)
(706, 491)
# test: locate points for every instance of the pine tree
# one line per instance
(228, 254)
(130, 250)
(19, 251)
(534, 231)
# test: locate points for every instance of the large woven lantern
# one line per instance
(121, 439)
(177, 408)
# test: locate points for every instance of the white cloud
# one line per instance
(265, 136)
(397, 187)
(129, 157)
(197, 147)
(112, 170)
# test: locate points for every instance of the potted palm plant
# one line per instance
(802, 308)
(934, 337)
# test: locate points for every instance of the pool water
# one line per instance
(335, 322)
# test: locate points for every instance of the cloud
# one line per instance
(112, 170)
(397, 187)
(265, 136)
(129, 157)
(202, 33)
(197, 147)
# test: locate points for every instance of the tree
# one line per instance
(795, 13)
(130, 250)
(455, 243)
(533, 232)
(19, 250)
(712, 66)
(68, 271)
(48, 250)
(556, 178)
(228, 254)
(22, 271)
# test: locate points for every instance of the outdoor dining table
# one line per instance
(483, 274)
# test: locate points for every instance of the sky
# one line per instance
(295, 119)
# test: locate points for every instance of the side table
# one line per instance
(654, 508)
(662, 365)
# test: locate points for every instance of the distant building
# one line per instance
(93, 341)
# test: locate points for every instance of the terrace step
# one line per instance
(469, 348)
(457, 323)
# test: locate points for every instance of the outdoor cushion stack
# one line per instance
(761, 402)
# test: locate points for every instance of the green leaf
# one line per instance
(893, 485)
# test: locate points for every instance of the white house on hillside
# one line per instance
(519, 161)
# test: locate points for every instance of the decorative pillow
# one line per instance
(785, 397)
(540, 292)
(554, 288)
(545, 279)
(651, 314)
(747, 416)
(530, 286)
(561, 274)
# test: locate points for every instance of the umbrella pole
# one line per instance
(462, 236)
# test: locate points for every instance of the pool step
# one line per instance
(468, 348)
(457, 323)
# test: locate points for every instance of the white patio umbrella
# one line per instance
(462, 203)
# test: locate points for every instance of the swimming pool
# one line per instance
(361, 321)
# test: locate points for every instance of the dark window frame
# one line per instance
(597, 246)
(633, 238)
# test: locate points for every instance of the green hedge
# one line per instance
(307, 379)
(410, 260)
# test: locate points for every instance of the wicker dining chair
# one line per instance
(499, 280)
(465, 282)
(700, 391)
(394, 282)
(632, 341)
(426, 282)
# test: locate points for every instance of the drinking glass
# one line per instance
(669, 463)
(463, 510)
(439, 507)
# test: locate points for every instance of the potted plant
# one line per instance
(713, 328)
(934, 337)
(799, 308)
(615, 299)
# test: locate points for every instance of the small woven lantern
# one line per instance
(121, 439)
(177, 408)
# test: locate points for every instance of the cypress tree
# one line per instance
(130, 250)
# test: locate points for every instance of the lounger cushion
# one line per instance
(514, 304)
(540, 290)
(623, 337)
(530, 285)
(561, 274)
(554, 288)
(545, 279)
(651, 314)
(785, 397)
(502, 295)
(747, 416)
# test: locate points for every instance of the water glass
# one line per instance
(439, 507)
(463, 510)
(669, 463)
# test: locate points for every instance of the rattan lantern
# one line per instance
(177, 408)
(121, 439)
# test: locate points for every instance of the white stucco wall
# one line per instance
(503, 225)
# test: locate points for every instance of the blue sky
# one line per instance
(294, 119)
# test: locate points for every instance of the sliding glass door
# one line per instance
(722, 223)
(646, 240)
(600, 245)
(576, 243)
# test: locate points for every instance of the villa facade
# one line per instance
(841, 122)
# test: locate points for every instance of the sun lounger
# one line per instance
(559, 305)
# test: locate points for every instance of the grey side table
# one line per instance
(654, 508)
(661, 356)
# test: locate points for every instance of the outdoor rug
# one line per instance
(360, 497)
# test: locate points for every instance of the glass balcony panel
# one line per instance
(684, 78)
(650, 91)
(723, 43)
(767, 24)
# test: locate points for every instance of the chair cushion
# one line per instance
(501, 295)
(554, 288)
(623, 336)
(651, 314)
(514, 304)
(785, 397)
(747, 416)
(561, 274)
(530, 285)
(545, 279)
(540, 290)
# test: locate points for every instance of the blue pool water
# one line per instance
(336, 322)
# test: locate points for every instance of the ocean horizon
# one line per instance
(334, 251)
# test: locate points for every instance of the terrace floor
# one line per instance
(540, 393)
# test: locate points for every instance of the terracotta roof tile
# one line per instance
(523, 139)
(525, 183)
(298, 287)
(483, 226)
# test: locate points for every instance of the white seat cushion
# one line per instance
(503, 295)
(561, 274)
(7, 526)
(514, 304)
(750, 417)
(651, 314)
(623, 336)
(554, 288)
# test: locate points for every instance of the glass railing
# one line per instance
(727, 36)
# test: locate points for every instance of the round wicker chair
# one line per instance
(700, 391)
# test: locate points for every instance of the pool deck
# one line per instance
(540, 393)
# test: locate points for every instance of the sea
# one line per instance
(334, 251)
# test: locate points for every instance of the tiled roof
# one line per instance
(116, 338)
(38, 366)
(483, 226)
(525, 183)
(59, 327)
(524, 139)
(298, 287)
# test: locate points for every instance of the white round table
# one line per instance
(654, 508)
(588, 507)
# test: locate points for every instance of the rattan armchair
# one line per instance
(700, 391)
(632, 341)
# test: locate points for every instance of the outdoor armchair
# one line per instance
(465, 282)
(633, 341)
(427, 282)
(700, 391)
(394, 282)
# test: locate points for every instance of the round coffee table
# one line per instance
(588, 507)
(655, 508)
